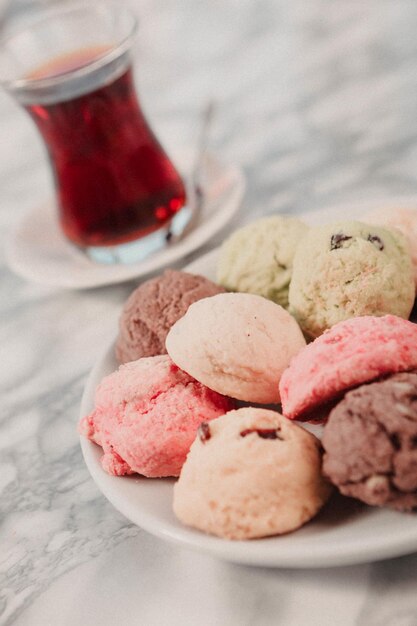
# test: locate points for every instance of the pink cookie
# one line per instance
(355, 351)
(146, 417)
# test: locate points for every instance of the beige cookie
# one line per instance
(251, 473)
(350, 269)
(237, 344)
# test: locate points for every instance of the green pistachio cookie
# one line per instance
(258, 257)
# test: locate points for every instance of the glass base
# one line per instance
(140, 249)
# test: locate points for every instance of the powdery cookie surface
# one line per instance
(146, 416)
(237, 344)
(153, 307)
(251, 473)
(370, 443)
(353, 352)
(258, 258)
(405, 220)
(350, 269)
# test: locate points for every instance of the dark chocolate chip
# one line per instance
(265, 433)
(337, 240)
(377, 241)
(204, 431)
(396, 441)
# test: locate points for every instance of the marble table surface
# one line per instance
(317, 101)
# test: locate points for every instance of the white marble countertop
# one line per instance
(317, 100)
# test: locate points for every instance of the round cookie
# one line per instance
(146, 416)
(258, 258)
(153, 307)
(370, 443)
(349, 269)
(353, 352)
(237, 344)
(251, 473)
(405, 220)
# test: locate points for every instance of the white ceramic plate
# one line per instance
(38, 251)
(345, 532)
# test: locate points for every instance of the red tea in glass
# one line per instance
(114, 182)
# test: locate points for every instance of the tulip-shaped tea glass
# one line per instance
(118, 195)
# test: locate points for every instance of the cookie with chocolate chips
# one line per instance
(350, 269)
(251, 473)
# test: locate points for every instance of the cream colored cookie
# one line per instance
(405, 220)
(349, 269)
(251, 473)
(237, 344)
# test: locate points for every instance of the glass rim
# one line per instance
(103, 58)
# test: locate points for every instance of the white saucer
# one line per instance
(38, 251)
(344, 533)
